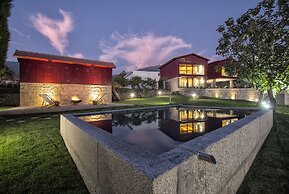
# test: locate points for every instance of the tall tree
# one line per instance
(257, 44)
(5, 6)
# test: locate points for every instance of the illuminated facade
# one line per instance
(219, 78)
(61, 78)
(185, 72)
(193, 72)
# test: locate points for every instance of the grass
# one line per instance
(269, 172)
(34, 159)
(163, 100)
(5, 107)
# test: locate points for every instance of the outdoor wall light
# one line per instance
(159, 92)
(132, 95)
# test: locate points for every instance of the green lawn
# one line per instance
(34, 159)
(5, 107)
(269, 172)
(163, 100)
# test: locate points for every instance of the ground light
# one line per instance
(265, 104)
(194, 95)
(132, 95)
(159, 92)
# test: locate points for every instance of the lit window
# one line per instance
(189, 69)
(185, 69)
(228, 121)
(223, 72)
(199, 127)
(190, 83)
(182, 82)
(182, 69)
(199, 114)
(186, 128)
(199, 82)
(198, 70)
(185, 115)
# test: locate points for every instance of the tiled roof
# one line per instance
(61, 59)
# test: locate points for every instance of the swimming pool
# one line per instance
(161, 130)
(165, 149)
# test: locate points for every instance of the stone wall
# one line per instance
(29, 93)
(249, 94)
(9, 99)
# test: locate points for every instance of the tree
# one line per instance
(121, 82)
(135, 81)
(257, 46)
(149, 83)
(5, 6)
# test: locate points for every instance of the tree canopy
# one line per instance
(5, 6)
(257, 45)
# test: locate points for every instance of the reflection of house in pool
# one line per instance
(186, 124)
(162, 130)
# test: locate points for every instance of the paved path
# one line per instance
(17, 111)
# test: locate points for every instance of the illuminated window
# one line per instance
(185, 115)
(186, 128)
(188, 82)
(228, 121)
(182, 82)
(199, 127)
(185, 69)
(199, 114)
(198, 70)
(223, 72)
(199, 82)
(182, 69)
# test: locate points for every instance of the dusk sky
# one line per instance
(130, 33)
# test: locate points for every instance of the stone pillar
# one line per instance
(231, 84)
(214, 83)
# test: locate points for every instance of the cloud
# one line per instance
(77, 55)
(20, 33)
(139, 51)
(55, 30)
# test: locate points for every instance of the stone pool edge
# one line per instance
(108, 164)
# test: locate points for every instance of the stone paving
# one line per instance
(32, 110)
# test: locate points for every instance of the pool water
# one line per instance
(159, 131)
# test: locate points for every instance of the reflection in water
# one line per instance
(161, 130)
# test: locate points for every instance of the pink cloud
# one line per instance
(55, 30)
(140, 51)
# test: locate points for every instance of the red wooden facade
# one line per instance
(49, 72)
(42, 70)
(212, 70)
(171, 68)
